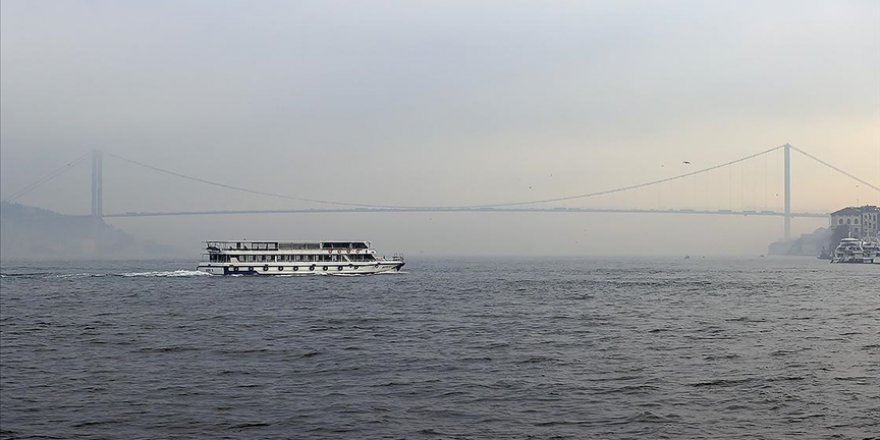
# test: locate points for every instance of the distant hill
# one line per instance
(807, 245)
(33, 233)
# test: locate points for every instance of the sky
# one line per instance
(445, 104)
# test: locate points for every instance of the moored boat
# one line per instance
(853, 250)
(247, 257)
(871, 251)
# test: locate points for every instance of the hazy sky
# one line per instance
(444, 103)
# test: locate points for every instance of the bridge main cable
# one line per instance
(238, 188)
(45, 179)
(631, 187)
(874, 187)
(491, 205)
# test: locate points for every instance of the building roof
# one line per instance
(853, 210)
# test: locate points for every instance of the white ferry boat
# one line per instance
(871, 251)
(246, 257)
(853, 250)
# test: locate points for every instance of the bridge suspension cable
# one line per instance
(238, 188)
(45, 179)
(874, 187)
(490, 205)
(631, 187)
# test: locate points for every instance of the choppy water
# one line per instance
(558, 348)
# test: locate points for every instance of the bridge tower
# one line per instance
(97, 184)
(787, 149)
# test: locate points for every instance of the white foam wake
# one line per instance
(173, 273)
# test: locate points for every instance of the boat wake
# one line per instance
(173, 273)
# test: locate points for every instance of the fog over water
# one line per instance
(445, 104)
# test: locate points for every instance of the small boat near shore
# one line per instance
(246, 257)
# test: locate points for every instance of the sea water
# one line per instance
(505, 348)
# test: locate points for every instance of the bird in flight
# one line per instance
(686, 162)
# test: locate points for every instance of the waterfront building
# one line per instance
(862, 221)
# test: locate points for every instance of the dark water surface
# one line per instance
(472, 349)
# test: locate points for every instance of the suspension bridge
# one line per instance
(520, 206)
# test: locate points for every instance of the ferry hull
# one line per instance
(851, 260)
(300, 269)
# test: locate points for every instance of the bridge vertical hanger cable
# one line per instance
(742, 186)
(776, 179)
(764, 173)
(45, 179)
